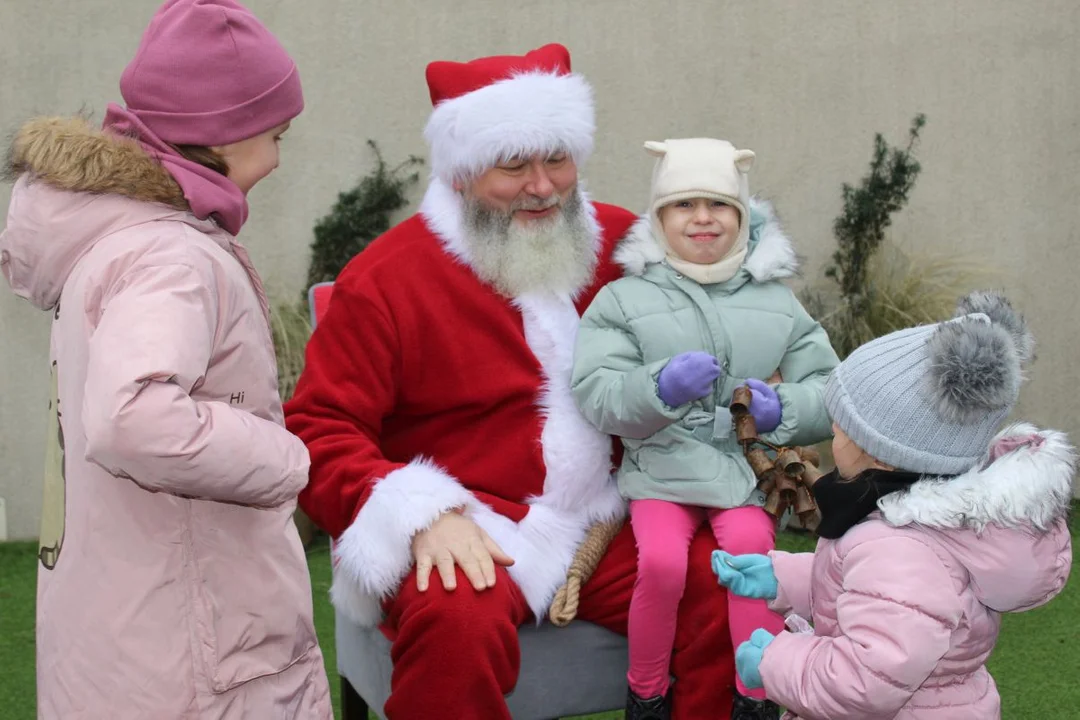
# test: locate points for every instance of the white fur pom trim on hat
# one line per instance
(976, 359)
(522, 115)
(997, 307)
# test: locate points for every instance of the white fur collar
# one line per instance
(772, 257)
(443, 210)
(1029, 486)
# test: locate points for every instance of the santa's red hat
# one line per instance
(495, 108)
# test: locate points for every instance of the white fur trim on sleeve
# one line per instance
(523, 115)
(374, 554)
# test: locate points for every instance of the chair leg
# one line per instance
(353, 707)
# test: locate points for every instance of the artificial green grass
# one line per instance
(18, 590)
(1031, 662)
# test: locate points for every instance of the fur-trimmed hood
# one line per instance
(75, 184)
(771, 255)
(992, 517)
(70, 154)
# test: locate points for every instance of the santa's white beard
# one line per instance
(555, 254)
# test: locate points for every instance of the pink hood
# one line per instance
(49, 230)
(995, 519)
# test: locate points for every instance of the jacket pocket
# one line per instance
(251, 593)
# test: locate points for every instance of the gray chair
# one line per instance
(576, 670)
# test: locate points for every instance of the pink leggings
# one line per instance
(663, 531)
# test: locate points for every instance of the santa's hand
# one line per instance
(454, 539)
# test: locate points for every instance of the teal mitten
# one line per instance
(749, 576)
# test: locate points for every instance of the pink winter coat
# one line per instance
(172, 581)
(907, 605)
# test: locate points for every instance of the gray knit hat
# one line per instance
(929, 399)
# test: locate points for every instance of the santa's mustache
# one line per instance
(535, 204)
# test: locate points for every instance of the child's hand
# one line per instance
(749, 576)
(748, 658)
(764, 405)
(687, 376)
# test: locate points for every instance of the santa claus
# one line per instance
(448, 459)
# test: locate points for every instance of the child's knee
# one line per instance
(756, 533)
(663, 570)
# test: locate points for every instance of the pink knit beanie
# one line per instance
(207, 72)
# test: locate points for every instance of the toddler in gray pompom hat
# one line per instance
(934, 523)
(929, 399)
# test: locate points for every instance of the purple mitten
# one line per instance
(764, 405)
(687, 376)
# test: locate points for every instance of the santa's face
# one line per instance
(527, 228)
(531, 188)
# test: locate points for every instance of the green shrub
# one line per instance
(873, 286)
(359, 216)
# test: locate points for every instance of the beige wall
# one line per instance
(803, 84)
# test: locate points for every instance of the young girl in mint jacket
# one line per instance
(702, 310)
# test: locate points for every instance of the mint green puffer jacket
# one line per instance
(752, 323)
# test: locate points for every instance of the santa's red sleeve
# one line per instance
(372, 506)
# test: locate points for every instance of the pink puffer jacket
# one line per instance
(172, 581)
(906, 605)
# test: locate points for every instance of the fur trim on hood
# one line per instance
(69, 154)
(1025, 479)
(771, 255)
(73, 186)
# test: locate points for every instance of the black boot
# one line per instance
(655, 708)
(750, 709)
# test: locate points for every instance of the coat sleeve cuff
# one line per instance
(781, 668)
(374, 554)
(792, 572)
(803, 419)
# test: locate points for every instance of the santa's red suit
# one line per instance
(425, 390)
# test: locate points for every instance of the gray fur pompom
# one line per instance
(1000, 311)
(974, 370)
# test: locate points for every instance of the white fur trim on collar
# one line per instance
(1029, 486)
(772, 257)
(522, 115)
(638, 249)
(443, 209)
(444, 212)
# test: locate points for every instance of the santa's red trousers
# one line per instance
(456, 653)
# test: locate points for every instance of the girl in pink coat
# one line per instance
(933, 524)
(172, 581)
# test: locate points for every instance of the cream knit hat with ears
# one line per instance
(700, 167)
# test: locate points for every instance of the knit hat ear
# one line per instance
(744, 160)
(656, 149)
(975, 360)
